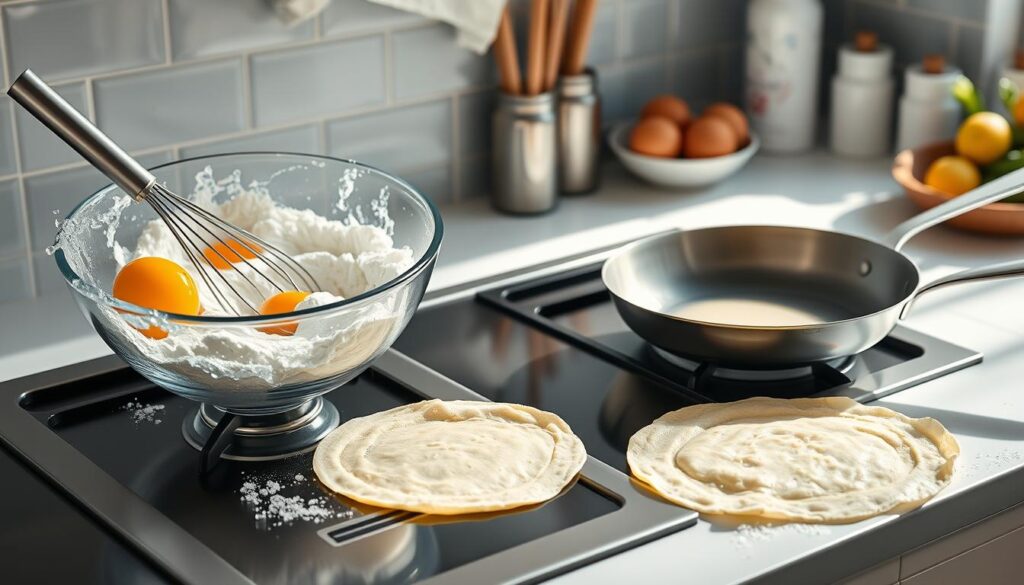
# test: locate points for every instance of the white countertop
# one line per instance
(982, 405)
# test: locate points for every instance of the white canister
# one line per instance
(783, 54)
(862, 101)
(928, 111)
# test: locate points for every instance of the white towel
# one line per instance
(475, 20)
(295, 11)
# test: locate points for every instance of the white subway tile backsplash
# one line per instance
(15, 279)
(317, 81)
(645, 30)
(354, 82)
(304, 139)
(435, 183)
(604, 38)
(474, 177)
(12, 226)
(696, 75)
(627, 87)
(701, 23)
(428, 61)
(170, 105)
(343, 17)
(48, 279)
(969, 43)
(39, 147)
(201, 28)
(475, 111)
(51, 196)
(397, 140)
(70, 38)
(8, 164)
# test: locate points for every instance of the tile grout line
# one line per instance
(165, 10)
(90, 101)
(22, 196)
(954, 39)
(389, 70)
(671, 15)
(456, 143)
(248, 112)
(5, 63)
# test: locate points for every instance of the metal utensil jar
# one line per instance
(579, 132)
(525, 163)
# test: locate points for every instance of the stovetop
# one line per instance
(556, 342)
(113, 442)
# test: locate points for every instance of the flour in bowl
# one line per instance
(346, 259)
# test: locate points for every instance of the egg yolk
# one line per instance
(282, 302)
(157, 283)
(223, 254)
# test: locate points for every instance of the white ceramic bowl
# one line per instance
(678, 172)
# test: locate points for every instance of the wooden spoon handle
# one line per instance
(539, 12)
(508, 60)
(556, 42)
(579, 37)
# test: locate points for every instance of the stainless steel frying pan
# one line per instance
(771, 297)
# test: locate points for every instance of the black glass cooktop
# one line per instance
(136, 438)
(113, 442)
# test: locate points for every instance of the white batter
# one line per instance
(345, 260)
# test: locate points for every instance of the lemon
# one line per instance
(984, 137)
(952, 175)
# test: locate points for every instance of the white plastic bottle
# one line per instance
(783, 55)
(928, 111)
(862, 99)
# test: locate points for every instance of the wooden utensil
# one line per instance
(508, 60)
(556, 42)
(539, 12)
(579, 37)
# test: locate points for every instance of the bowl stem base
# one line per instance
(264, 437)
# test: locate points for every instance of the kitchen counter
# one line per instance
(981, 405)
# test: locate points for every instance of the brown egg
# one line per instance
(656, 136)
(734, 116)
(668, 106)
(709, 136)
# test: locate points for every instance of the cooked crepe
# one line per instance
(824, 460)
(451, 457)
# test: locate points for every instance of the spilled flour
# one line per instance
(748, 536)
(345, 258)
(141, 413)
(275, 502)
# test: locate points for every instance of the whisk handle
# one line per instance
(78, 132)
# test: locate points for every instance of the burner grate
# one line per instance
(576, 308)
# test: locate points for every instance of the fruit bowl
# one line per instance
(909, 169)
(686, 173)
(345, 335)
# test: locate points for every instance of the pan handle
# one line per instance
(991, 192)
(1002, 270)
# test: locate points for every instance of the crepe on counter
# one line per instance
(451, 457)
(820, 460)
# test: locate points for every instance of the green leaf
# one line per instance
(965, 93)
(1008, 93)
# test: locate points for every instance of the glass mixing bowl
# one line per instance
(356, 329)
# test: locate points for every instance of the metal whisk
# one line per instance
(201, 234)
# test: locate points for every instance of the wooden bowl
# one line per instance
(909, 169)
